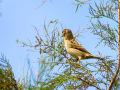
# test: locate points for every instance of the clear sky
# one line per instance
(18, 16)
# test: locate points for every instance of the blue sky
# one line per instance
(18, 16)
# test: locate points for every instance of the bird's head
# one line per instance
(67, 34)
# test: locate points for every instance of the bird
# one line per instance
(74, 48)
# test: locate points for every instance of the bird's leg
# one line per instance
(68, 59)
(78, 60)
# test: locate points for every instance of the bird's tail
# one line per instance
(99, 58)
(92, 56)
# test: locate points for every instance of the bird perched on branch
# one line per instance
(74, 48)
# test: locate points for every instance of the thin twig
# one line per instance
(89, 74)
(41, 4)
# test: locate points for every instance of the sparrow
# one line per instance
(74, 48)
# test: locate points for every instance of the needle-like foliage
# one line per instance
(7, 79)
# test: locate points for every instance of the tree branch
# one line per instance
(118, 64)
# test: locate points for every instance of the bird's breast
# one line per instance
(70, 50)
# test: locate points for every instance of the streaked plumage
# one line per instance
(74, 48)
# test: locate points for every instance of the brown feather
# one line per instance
(76, 45)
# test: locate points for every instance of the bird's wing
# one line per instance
(74, 44)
